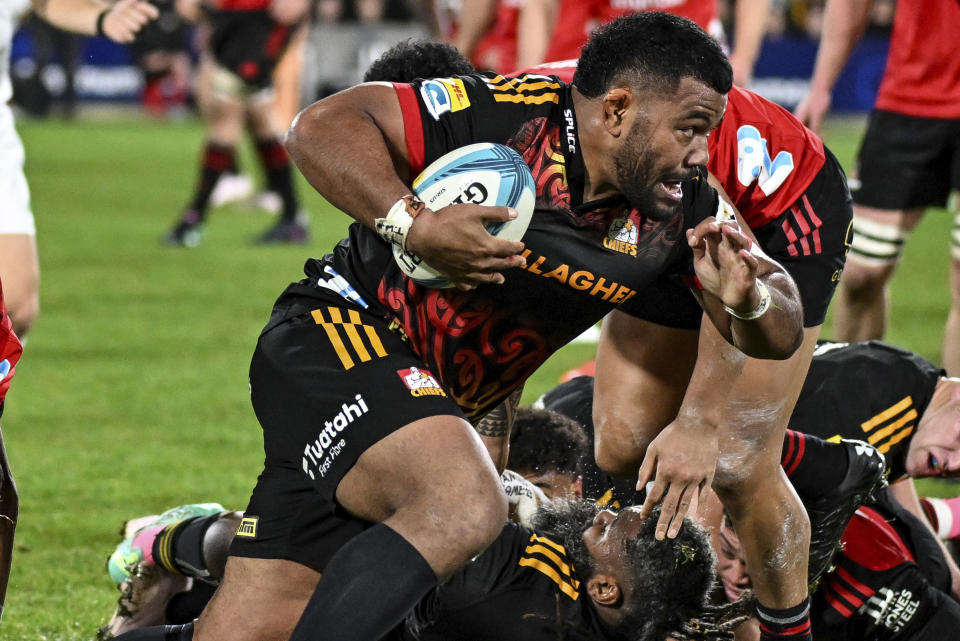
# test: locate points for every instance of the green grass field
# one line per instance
(132, 394)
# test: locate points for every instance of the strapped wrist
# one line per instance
(100, 18)
(761, 309)
(395, 226)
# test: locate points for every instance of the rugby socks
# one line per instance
(791, 624)
(812, 464)
(178, 547)
(367, 588)
(944, 515)
(276, 164)
(159, 633)
(217, 159)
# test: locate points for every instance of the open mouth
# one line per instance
(732, 592)
(934, 463)
(673, 188)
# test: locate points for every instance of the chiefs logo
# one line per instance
(420, 382)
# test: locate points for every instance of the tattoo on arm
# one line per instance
(497, 423)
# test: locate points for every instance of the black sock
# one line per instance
(366, 589)
(812, 464)
(276, 164)
(217, 159)
(790, 624)
(179, 547)
(159, 633)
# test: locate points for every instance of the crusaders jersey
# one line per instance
(891, 582)
(577, 18)
(521, 588)
(583, 259)
(869, 391)
(922, 77)
(762, 155)
(10, 350)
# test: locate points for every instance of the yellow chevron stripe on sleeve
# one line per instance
(886, 414)
(543, 568)
(893, 427)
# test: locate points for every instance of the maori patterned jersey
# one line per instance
(869, 391)
(522, 588)
(583, 259)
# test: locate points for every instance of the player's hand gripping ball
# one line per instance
(483, 174)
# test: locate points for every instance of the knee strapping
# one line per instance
(876, 243)
(179, 547)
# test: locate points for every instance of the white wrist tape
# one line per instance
(395, 226)
(761, 309)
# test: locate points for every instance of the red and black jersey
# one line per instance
(521, 588)
(576, 19)
(891, 582)
(762, 155)
(10, 350)
(871, 391)
(247, 40)
(922, 77)
(583, 259)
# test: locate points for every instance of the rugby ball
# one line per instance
(482, 173)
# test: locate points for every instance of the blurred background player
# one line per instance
(570, 22)
(162, 52)
(891, 581)
(10, 351)
(235, 93)
(909, 159)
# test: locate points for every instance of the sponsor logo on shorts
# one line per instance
(319, 454)
(622, 236)
(248, 526)
(444, 95)
(420, 382)
(892, 610)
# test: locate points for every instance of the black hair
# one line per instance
(542, 440)
(670, 587)
(651, 49)
(410, 59)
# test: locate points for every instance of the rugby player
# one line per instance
(909, 158)
(19, 268)
(891, 582)
(235, 93)
(403, 458)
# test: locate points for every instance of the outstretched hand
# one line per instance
(723, 263)
(126, 18)
(681, 461)
(454, 242)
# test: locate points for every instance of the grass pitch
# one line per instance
(132, 395)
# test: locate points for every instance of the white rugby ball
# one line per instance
(482, 173)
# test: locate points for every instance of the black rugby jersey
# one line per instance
(583, 259)
(871, 391)
(891, 582)
(523, 588)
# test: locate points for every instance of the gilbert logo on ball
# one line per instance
(484, 174)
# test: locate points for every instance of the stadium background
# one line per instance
(132, 394)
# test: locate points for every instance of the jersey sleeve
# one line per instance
(442, 114)
(10, 350)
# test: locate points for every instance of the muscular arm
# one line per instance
(351, 147)
(533, 31)
(121, 23)
(494, 429)
(844, 22)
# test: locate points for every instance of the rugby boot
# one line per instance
(139, 534)
(144, 598)
(187, 232)
(830, 513)
(286, 232)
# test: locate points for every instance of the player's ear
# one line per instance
(604, 590)
(615, 105)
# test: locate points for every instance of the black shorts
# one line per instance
(167, 33)
(906, 162)
(248, 43)
(810, 239)
(326, 386)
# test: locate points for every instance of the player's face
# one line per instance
(556, 484)
(731, 566)
(666, 142)
(604, 537)
(935, 448)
